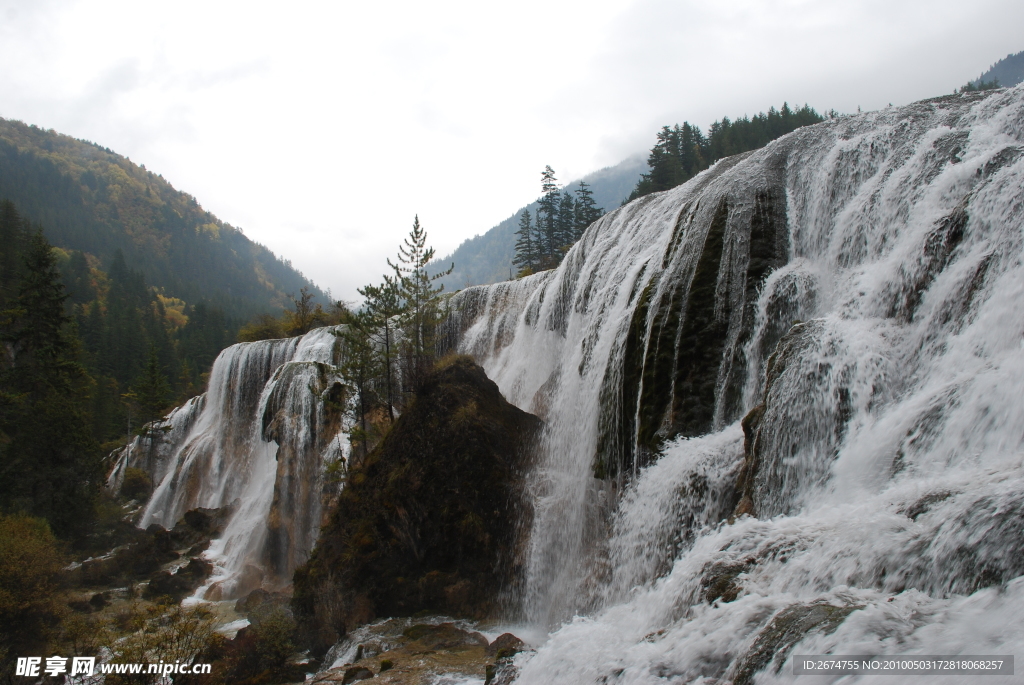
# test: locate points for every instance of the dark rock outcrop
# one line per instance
(428, 521)
(142, 553)
(179, 584)
(773, 644)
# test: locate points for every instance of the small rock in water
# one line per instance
(505, 645)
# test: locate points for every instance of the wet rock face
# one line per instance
(145, 551)
(428, 522)
(775, 641)
(683, 363)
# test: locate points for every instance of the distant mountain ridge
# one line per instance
(487, 258)
(1007, 72)
(91, 199)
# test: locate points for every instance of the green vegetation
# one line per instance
(391, 342)
(560, 222)
(427, 521)
(30, 602)
(134, 352)
(682, 152)
(91, 200)
(980, 84)
(1006, 73)
(49, 456)
(304, 316)
(154, 287)
(488, 257)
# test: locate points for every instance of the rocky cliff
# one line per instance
(429, 520)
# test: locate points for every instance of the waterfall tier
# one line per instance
(855, 290)
(257, 440)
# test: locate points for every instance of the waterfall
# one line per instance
(257, 441)
(783, 406)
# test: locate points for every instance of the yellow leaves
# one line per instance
(174, 310)
(211, 229)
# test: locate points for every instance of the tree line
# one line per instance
(682, 152)
(543, 239)
(391, 340)
(49, 455)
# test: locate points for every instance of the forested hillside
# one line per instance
(1007, 72)
(682, 152)
(90, 199)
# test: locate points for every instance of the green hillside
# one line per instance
(90, 199)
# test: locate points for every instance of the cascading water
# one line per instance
(854, 290)
(258, 441)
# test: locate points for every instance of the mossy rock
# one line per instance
(775, 641)
(427, 521)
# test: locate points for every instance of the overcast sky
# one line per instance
(321, 128)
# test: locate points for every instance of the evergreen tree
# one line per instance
(49, 462)
(382, 308)
(306, 314)
(681, 152)
(77, 279)
(362, 365)
(587, 211)
(421, 311)
(12, 235)
(527, 256)
(566, 224)
(153, 390)
(547, 220)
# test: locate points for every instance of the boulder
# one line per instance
(505, 645)
(427, 522)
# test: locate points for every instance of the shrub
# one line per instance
(31, 566)
(136, 485)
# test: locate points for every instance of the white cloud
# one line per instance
(321, 128)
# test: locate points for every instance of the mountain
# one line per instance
(88, 198)
(1007, 72)
(487, 258)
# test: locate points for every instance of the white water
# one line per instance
(891, 477)
(257, 441)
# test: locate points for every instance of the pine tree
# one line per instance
(362, 365)
(382, 308)
(422, 310)
(566, 224)
(12, 238)
(153, 390)
(306, 314)
(681, 152)
(587, 211)
(526, 257)
(49, 462)
(547, 220)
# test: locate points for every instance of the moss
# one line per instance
(702, 338)
(768, 250)
(616, 449)
(426, 522)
